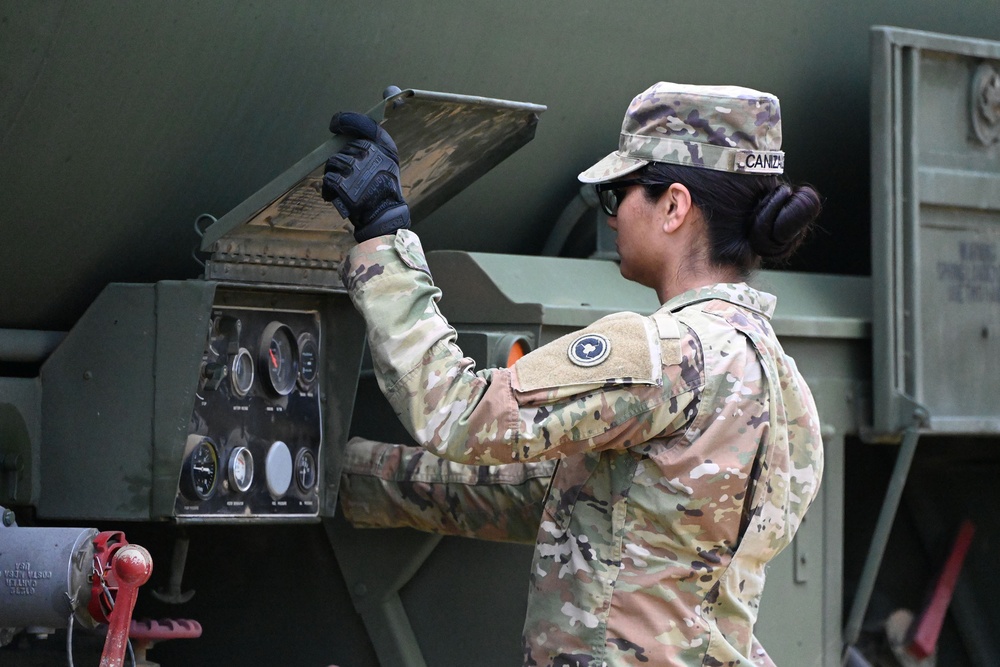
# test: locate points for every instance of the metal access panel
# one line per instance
(935, 231)
(200, 402)
(285, 233)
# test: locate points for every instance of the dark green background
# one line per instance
(120, 122)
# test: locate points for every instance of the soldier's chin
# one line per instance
(628, 272)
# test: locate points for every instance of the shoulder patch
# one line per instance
(619, 349)
(589, 349)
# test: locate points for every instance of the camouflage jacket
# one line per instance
(688, 451)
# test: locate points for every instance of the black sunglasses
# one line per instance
(612, 193)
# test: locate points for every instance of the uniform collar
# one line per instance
(738, 294)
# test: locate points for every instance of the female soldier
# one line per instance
(687, 443)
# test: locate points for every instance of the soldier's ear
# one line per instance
(675, 207)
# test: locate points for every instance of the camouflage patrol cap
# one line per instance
(727, 128)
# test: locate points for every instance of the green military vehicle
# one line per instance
(180, 367)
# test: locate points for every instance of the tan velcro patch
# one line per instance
(670, 337)
(634, 357)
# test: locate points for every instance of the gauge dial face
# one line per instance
(241, 372)
(201, 471)
(308, 361)
(279, 358)
(241, 469)
(305, 470)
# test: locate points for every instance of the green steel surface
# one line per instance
(116, 402)
(121, 122)
(492, 288)
(936, 232)
(20, 440)
(183, 310)
(27, 346)
(489, 288)
(97, 404)
(819, 306)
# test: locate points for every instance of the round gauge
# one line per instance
(279, 358)
(241, 469)
(305, 470)
(201, 471)
(278, 469)
(241, 372)
(308, 360)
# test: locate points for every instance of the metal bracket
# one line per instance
(174, 594)
(886, 517)
(15, 456)
(375, 583)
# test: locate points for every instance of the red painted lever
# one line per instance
(132, 566)
(927, 629)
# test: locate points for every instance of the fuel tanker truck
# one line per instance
(180, 363)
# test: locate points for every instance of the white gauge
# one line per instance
(241, 469)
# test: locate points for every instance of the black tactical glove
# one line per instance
(362, 180)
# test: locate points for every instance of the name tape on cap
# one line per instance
(760, 162)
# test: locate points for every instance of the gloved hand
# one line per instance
(362, 180)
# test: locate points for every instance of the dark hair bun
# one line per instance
(781, 220)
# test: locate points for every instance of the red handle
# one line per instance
(132, 566)
(927, 629)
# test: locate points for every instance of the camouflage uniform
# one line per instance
(385, 485)
(687, 449)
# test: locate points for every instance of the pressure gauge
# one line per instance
(308, 361)
(241, 372)
(278, 358)
(305, 470)
(200, 472)
(240, 469)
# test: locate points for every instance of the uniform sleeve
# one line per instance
(491, 417)
(389, 486)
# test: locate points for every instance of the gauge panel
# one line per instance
(255, 431)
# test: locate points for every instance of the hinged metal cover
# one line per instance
(287, 234)
(936, 231)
